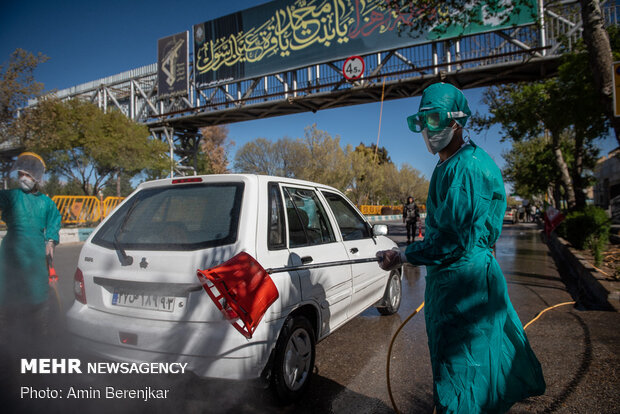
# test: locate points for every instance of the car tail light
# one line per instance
(187, 180)
(78, 286)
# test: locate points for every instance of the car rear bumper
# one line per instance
(211, 350)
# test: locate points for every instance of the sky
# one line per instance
(89, 40)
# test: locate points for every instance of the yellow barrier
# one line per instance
(84, 209)
(370, 210)
(109, 204)
(78, 209)
(376, 210)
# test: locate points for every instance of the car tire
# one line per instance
(294, 359)
(392, 296)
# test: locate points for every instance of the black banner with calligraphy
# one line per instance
(173, 65)
(287, 34)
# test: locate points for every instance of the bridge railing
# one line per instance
(134, 91)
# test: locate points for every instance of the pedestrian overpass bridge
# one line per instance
(515, 54)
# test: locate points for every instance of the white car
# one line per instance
(138, 298)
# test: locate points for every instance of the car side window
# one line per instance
(276, 236)
(352, 226)
(307, 221)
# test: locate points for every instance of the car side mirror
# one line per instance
(379, 230)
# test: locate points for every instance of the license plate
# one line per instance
(143, 301)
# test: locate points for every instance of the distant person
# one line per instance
(526, 208)
(411, 215)
(33, 224)
(481, 359)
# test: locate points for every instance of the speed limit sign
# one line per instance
(353, 68)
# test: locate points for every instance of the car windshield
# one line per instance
(183, 217)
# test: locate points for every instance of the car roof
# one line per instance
(224, 178)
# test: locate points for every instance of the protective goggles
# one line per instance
(434, 120)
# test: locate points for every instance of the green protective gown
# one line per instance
(32, 220)
(481, 359)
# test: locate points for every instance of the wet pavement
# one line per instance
(577, 347)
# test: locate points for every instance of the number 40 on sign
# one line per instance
(353, 68)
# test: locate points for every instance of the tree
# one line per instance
(285, 158)
(17, 86)
(327, 162)
(122, 148)
(530, 168)
(369, 165)
(118, 188)
(82, 143)
(526, 111)
(256, 157)
(567, 105)
(600, 57)
(583, 107)
(214, 147)
(412, 183)
(54, 187)
(377, 155)
(291, 155)
(368, 177)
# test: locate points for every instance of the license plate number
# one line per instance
(144, 301)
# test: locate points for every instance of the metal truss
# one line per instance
(509, 55)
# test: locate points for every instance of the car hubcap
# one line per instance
(394, 291)
(297, 359)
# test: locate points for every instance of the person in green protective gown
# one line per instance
(481, 359)
(33, 224)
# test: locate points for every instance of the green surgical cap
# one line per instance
(443, 96)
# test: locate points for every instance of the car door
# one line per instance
(272, 250)
(311, 240)
(368, 278)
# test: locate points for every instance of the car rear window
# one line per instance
(182, 217)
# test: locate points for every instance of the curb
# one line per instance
(587, 277)
(74, 235)
(68, 235)
(391, 217)
(384, 218)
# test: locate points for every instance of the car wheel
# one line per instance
(294, 359)
(392, 295)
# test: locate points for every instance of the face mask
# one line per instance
(436, 141)
(26, 183)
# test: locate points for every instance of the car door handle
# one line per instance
(354, 250)
(306, 259)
